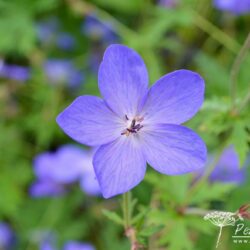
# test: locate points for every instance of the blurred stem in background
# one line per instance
(86, 8)
(216, 33)
(235, 72)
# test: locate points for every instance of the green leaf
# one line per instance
(208, 192)
(140, 215)
(128, 6)
(113, 216)
(150, 230)
(210, 67)
(176, 236)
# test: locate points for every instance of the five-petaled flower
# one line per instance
(133, 125)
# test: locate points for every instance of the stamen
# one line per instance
(134, 127)
(133, 123)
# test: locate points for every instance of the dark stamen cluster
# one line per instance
(134, 128)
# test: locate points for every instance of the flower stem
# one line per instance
(126, 210)
(130, 231)
(216, 33)
(236, 68)
(245, 102)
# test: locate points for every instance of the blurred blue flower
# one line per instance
(88, 181)
(66, 41)
(46, 188)
(6, 236)
(76, 245)
(168, 3)
(47, 29)
(48, 241)
(133, 124)
(58, 166)
(236, 7)
(63, 71)
(67, 165)
(228, 168)
(14, 72)
(47, 246)
(99, 30)
(48, 32)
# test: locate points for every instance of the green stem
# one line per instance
(86, 8)
(245, 102)
(126, 210)
(130, 231)
(236, 68)
(216, 33)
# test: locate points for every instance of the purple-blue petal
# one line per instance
(168, 3)
(63, 71)
(228, 168)
(66, 41)
(68, 164)
(98, 29)
(76, 245)
(46, 188)
(64, 166)
(47, 246)
(14, 72)
(88, 180)
(89, 184)
(58, 70)
(6, 235)
(173, 149)
(89, 121)
(236, 7)
(46, 29)
(174, 98)
(123, 80)
(43, 165)
(119, 166)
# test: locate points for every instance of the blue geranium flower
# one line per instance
(228, 168)
(99, 30)
(133, 125)
(76, 245)
(14, 72)
(49, 34)
(70, 245)
(66, 41)
(67, 165)
(168, 3)
(6, 236)
(47, 29)
(46, 188)
(63, 71)
(237, 7)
